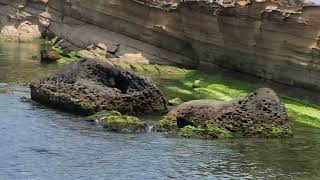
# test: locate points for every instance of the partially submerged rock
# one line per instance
(49, 56)
(114, 121)
(175, 102)
(209, 131)
(25, 99)
(88, 86)
(261, 114)
(166, 125)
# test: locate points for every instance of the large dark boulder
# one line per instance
(261, 113)
(87, 86)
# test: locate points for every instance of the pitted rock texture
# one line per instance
(88, 86)
(260, 109)
(49, 56)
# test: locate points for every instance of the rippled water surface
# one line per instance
(41, 143)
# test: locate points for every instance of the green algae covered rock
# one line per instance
(260, 114)
(175, 102)
(269, 131)
(114, 121)
(103, 114)
(165, 125)
(209, 131)
(196, 84)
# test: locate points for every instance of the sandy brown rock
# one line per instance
(275, 40)
(88, 86)
(44, 19)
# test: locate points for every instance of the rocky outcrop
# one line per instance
(276, 40)
(18, 24)
(49, 56)
(261, 113)
(88, 86)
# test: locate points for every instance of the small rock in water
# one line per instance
(49, 56)
(175, 102)
(115, 121)
(25, 99)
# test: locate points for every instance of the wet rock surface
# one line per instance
(49, 56)
(116, 122)
(88, 86)
(261, 113)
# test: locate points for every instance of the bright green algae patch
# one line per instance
(165, 125)
(267, 131)
(103, 114)
(66, 56)
(214, 131)
(204, 132)
(175, 102)
(114, 121)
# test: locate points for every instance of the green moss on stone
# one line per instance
(281, 131)
(192, 132)
(217, 132)
(67, 98)
(66, 56)
(103, 114)
(196, 84)
(269, 131)
(114, 121)
(165, 125)
(175, 102)
(204, 132)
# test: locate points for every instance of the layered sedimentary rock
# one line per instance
(88, 86)
(277, 40)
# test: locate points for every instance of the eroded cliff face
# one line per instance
(277, 40)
